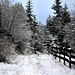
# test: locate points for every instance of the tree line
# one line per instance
(23, 34)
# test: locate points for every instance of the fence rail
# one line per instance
(66, 54)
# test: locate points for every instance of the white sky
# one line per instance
(42, 8)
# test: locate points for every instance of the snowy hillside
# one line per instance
(35, 65)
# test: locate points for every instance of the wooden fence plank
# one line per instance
(66, 53)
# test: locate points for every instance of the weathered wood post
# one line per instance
(64, 54)
(59, 53)
(55, 52)
(69, 57)
(51, 49)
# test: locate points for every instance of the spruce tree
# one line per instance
(34, 36)
(66, 18)
(53, 25)
(66, 14)
(58, 22)
(49, 21)
(29, 14)
(48, 40)
(34, 27)
(57, 7)
(29, 10)
(0, 14)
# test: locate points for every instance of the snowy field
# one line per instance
(35, 65)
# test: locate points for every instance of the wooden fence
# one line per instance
(66, 54)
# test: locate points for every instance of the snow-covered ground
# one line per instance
(35, 65)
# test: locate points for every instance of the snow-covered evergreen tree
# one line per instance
(53, 25)
(66, 14)
(48, 40)
(35, 42)
(56, 23)
(29, 10)
(41, 36)
(70, 33)
(0, 14)
(57, 7)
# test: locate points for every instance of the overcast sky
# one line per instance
(42, 8)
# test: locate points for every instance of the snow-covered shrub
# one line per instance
(7, 49)
(20, 47)
(22, 36)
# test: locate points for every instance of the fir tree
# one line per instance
(56, 23)
(34, 35)
(66, 14)
(35, 42)
(30, 22)
(57, 7)
(49, 21)
(29, 10)
(0, 14)
(48, 40)
(53, 25)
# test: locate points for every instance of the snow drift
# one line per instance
(35, 65)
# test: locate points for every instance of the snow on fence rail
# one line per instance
(66, 54)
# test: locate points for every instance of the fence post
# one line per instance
(60, 50)
(55, 53)
(51, 50)
(70, 60)
(64, 56)
(59, 54)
